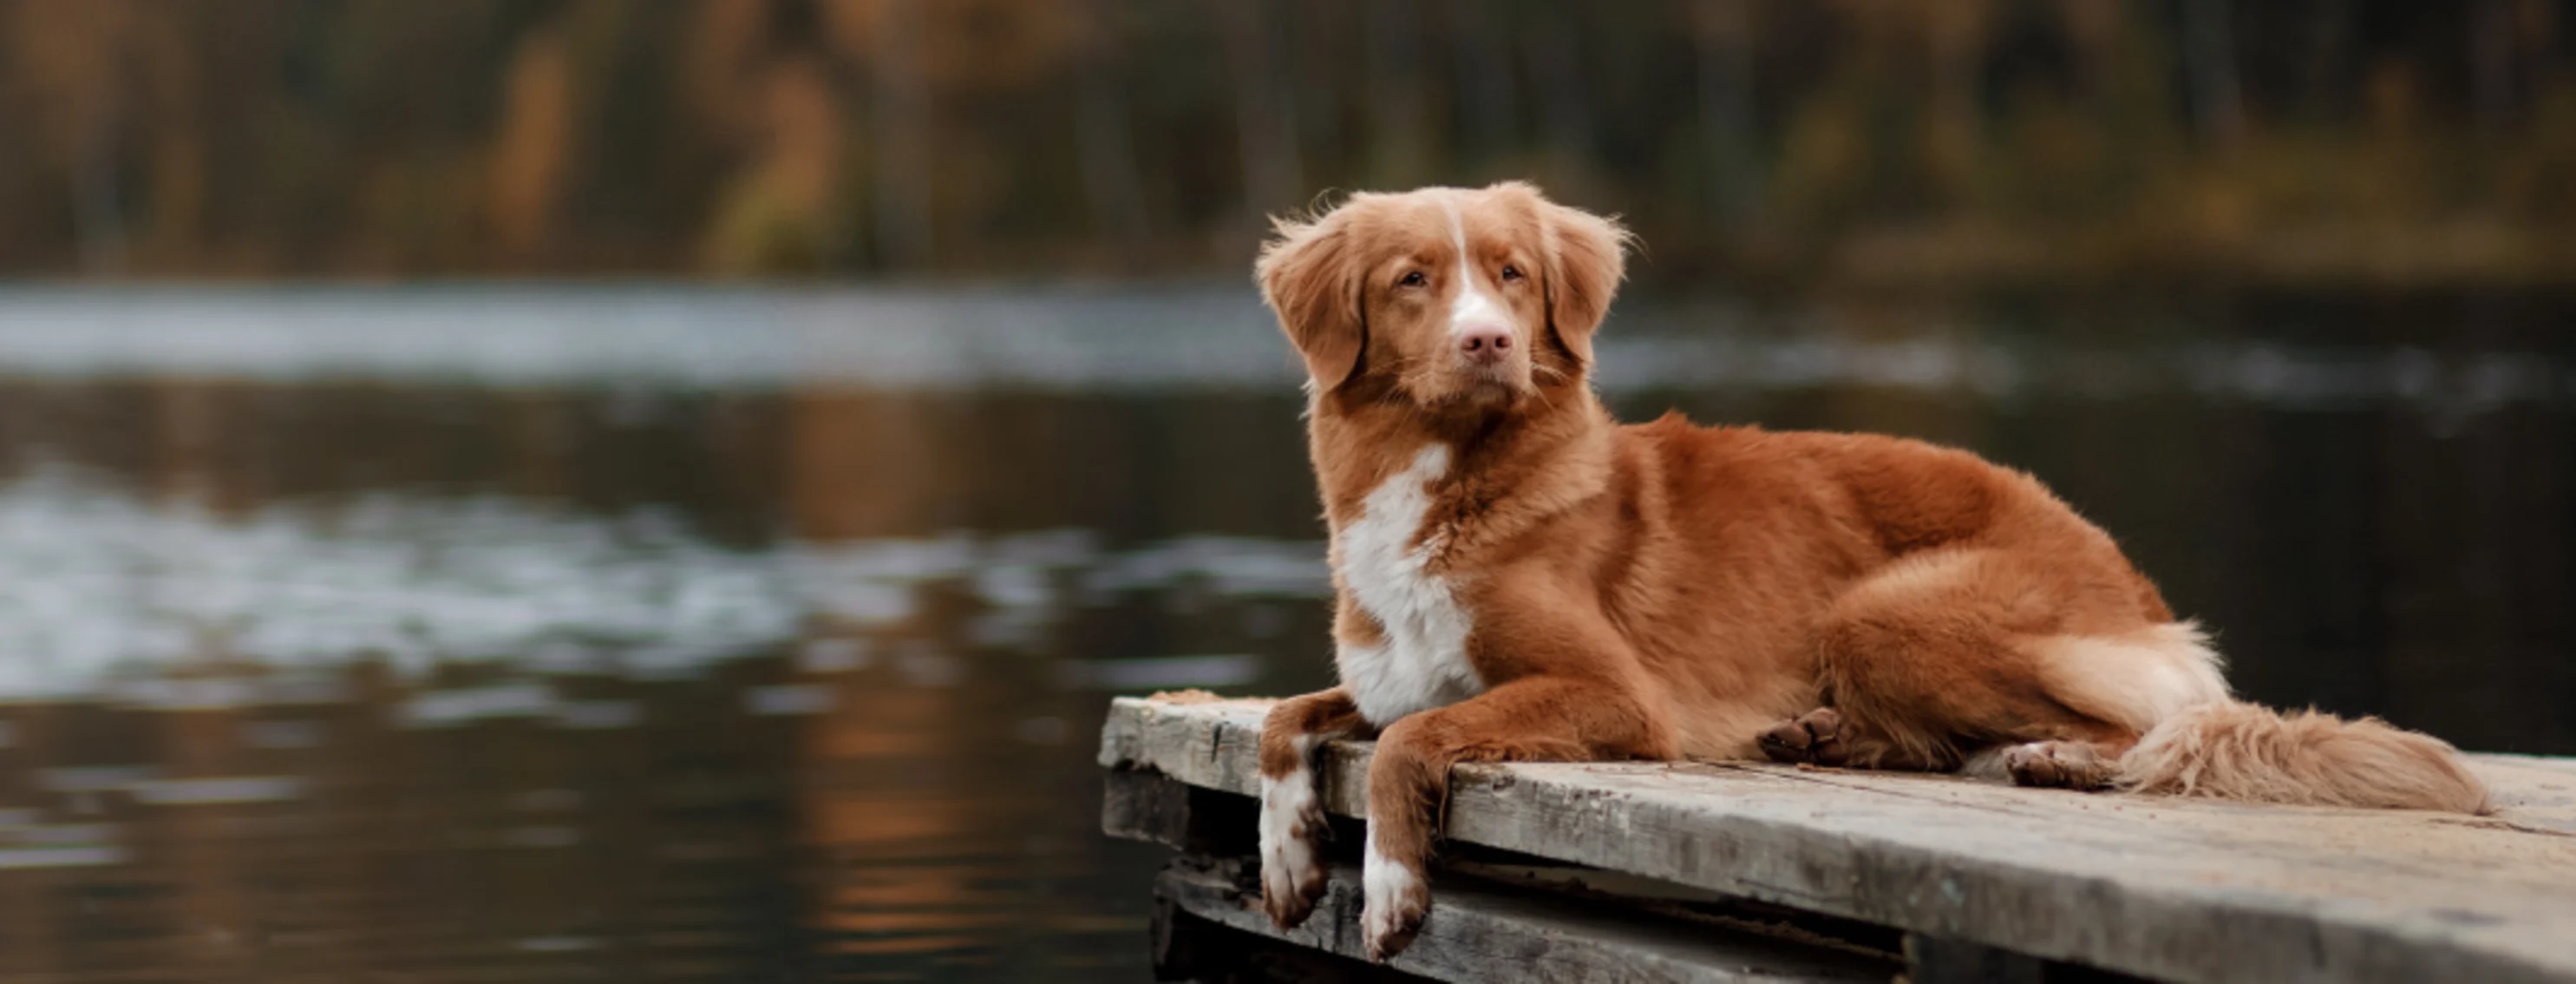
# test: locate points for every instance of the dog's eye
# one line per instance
(1414, 279)
(1511, 272)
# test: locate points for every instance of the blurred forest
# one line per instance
(1852, 141)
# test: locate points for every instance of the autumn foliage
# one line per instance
(1968, 141)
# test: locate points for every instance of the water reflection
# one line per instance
(462, 682)
(115, 592)
(539, 635)
(435, 733)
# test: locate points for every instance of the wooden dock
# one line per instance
(1739, 871)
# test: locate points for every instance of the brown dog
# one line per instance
(1521, 578)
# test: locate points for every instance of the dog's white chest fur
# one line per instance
(1423, 663)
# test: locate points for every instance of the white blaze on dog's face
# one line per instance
(1447, 297)
(1456, 313)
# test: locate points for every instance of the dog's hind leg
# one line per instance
(1826, 737)
(2133, 680)
(1956, 652)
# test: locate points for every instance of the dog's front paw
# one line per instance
(1292, 818)
(1395, 899)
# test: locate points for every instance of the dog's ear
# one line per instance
(1306, 276)
(1586, 258)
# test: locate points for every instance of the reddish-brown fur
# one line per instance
(1664, 590)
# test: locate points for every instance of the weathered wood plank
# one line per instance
(1933, 960)
(2529, 762)
(1147, 806)
(2186, 890)
(1188, 947)
(1479, 934)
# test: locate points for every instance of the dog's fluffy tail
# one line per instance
(2232, 750)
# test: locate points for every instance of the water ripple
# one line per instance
(106, 588)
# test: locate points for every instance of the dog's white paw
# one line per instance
(1395, 899)
(1292, 817)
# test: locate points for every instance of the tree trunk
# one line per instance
(2209, 61)
(902, 139)
(1725, 74)
(1103, 139)
(1265, 112)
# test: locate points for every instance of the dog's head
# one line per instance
(1452, 298)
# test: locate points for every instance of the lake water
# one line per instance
(632, 632)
